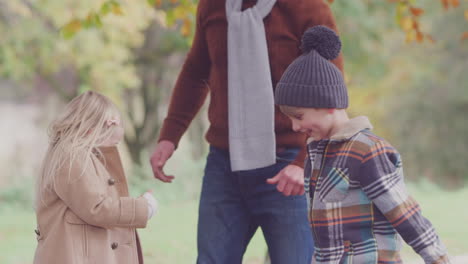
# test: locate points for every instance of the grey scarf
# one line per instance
(250, 91)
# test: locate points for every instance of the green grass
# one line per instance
(448, 213)
(17, 237)
(171, 235)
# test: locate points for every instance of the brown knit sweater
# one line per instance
(205, 68)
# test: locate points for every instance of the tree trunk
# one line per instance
(155, 66)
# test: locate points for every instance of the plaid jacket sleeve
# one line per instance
(381, 177)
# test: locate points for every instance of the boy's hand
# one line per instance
(161, 154)
(289, 181)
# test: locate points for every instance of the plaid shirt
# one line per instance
(359, 206)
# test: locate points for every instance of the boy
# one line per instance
(359, 206)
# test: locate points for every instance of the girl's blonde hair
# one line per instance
(75, 134)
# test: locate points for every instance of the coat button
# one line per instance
(111, 181)
(37, 232)
(114, 245)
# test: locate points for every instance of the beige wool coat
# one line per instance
(89, 218)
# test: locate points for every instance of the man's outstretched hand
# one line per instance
(161, 154)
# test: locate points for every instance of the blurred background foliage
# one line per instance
(405, 63)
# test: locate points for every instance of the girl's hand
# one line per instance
(152, 204)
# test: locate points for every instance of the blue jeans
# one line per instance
(234, 204)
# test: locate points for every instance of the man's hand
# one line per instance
(289, 181)
(161, 154)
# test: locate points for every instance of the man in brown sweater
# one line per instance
(234, 204)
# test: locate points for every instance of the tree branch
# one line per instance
(37, 13)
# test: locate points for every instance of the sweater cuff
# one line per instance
(435, 254)
(172, 130)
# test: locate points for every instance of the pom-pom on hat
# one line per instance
(312, 80)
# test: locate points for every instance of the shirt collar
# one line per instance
(349, 129)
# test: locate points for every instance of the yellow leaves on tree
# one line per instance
(406, 23)
(117, 10)
(111, 6)
(179, 13)
(186, 28)
(71, 28)
(93, 19)
(416, 11)
(156, 3)
(455, 3)
(407, 16)
(447, 3)
(464, 36)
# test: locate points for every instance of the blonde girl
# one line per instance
(84, 212)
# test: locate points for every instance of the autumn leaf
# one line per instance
(466, 15)
(71, 28)
(445, 3)
(419, 36)
(186, 27)
(410, 36)
(407, 23)
(402, 8)
(416, 11)
(330, 1)
(88, 21)
(156, 3)
(464, 36)
(455, 3)
(117, 10)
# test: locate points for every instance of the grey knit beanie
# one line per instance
(312, 80)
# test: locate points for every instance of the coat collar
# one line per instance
(351, 128)
(106, 151)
